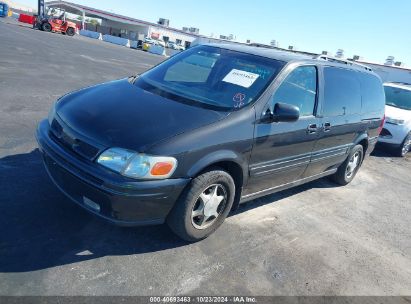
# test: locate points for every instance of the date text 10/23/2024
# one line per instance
(203, 299)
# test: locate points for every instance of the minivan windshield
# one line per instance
(212, 77)
(397, 97)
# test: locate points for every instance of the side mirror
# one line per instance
(283, 112)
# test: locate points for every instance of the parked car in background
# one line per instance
(179, 47)
(175, 46)
(212, 127)
(155, 41)
(161, 42)
(396, 133)
(147, 43)
(145, 46)
(171, 45)
(150, 41)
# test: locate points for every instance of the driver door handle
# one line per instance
(312, 129)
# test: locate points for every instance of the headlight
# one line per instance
(395, 121)
(137, 165)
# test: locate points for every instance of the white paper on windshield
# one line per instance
(241, 78)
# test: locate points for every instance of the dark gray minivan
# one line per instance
(208, 129)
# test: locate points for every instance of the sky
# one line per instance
(373, 29)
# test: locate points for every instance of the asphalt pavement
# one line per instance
(316, 239)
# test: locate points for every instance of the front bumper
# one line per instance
(393, 135)
(388, 146)
(109, 195)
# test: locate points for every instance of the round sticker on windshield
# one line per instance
(238, 100)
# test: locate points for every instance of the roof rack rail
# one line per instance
(400, 82)
(343, 61)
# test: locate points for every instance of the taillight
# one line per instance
(381, 125)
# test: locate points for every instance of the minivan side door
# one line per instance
(282, 151)
(341, 119)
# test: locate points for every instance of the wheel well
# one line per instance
(364, 144)
(236, 173)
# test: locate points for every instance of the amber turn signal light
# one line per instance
(161, 168)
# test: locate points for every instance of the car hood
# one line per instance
(119, 114)
(397, 113)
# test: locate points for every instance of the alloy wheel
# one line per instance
(407, 145)
(353, 164)
(209, 206)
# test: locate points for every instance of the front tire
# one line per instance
(203, 206)
(405, 146)
(46, 27)
(70, 32)
(349, 168)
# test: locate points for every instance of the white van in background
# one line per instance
(397, 128)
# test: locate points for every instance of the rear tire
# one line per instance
(46, 27)
(405, 146)
(203, 206)
(349, 168)
(70, 32)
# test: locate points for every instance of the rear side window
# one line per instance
(342, 92)
(299, 89)
(373, 98)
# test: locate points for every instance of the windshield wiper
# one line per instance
(179, 91)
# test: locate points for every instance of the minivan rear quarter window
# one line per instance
(212, 77)
(373, 97)
(342, 92)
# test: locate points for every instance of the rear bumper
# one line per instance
(120, 200)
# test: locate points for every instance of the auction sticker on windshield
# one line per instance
(241, 78)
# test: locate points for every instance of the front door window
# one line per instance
(299, 89)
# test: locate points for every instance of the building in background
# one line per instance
(123, 26)
(192, 30)
(339, 53)
(164, 22)
(274, 43)
(135, 29)
(390, 71)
